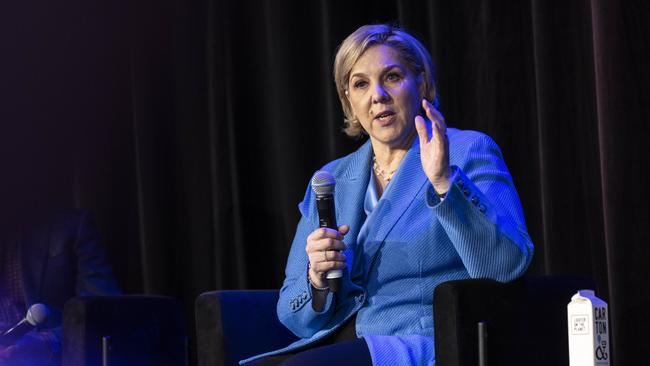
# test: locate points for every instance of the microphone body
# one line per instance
(323, 185)
(36, 315)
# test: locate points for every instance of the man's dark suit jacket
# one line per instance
(62, 257)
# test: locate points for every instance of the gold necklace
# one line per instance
(386, 176)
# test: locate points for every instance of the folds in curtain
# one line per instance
(194, 126)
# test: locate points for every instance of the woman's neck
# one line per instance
(389, 160)
(389, 157)
(386, 161)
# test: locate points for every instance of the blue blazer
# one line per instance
(411, 242)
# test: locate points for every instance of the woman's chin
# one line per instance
(393, 139)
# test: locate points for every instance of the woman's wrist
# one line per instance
(441, 183)
(441, 189)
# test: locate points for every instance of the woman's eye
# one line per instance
(360, 84)
(393, 77)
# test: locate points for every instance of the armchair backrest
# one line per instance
(141, 330)
(526, 320)
(234, 325)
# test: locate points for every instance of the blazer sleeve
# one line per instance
(482, 215)
(294, 306)
(94, 274)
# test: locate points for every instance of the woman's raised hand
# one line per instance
(434, 151)
(324, 248)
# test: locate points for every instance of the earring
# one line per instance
(352, 121)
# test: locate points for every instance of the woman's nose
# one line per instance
(379, 94)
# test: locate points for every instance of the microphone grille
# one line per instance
(37, 314)
(322, 183)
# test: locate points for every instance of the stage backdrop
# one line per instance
(191, 127)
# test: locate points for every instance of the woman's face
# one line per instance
(385, 96)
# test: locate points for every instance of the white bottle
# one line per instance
(588, 330)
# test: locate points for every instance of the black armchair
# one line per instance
(124, 330)
(525, 320)
(234, 325)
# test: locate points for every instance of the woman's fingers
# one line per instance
(333, 256)
(326, 260)
(327, 256)
(324, 249)
(434, 115)
(421, 127)
(325, 232)
(327, 239)
(438, 125)
(320, 268)
(320, 245)
(435, 153)
(343, 229)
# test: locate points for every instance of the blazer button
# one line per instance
(475, 200)
(482, 208)
(304, 296)
(460, 183)
(466, 192)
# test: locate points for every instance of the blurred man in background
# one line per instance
(47, 255)
(48, 260)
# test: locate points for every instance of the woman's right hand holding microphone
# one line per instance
(324, 249)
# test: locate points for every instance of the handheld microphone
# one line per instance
(323, 185)
(36, 315)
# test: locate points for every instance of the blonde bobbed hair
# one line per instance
(415, 55)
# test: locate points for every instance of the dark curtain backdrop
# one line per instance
(191, 127)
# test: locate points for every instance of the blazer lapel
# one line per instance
(350, 191)
(408, 181)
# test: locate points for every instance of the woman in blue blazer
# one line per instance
(420, 204)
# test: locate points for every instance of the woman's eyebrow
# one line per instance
(392, 66)
(383, 70)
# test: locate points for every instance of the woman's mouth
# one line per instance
(385, 118)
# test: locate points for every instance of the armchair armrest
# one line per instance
(143, 330)
(237, 324)
(526, 320)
